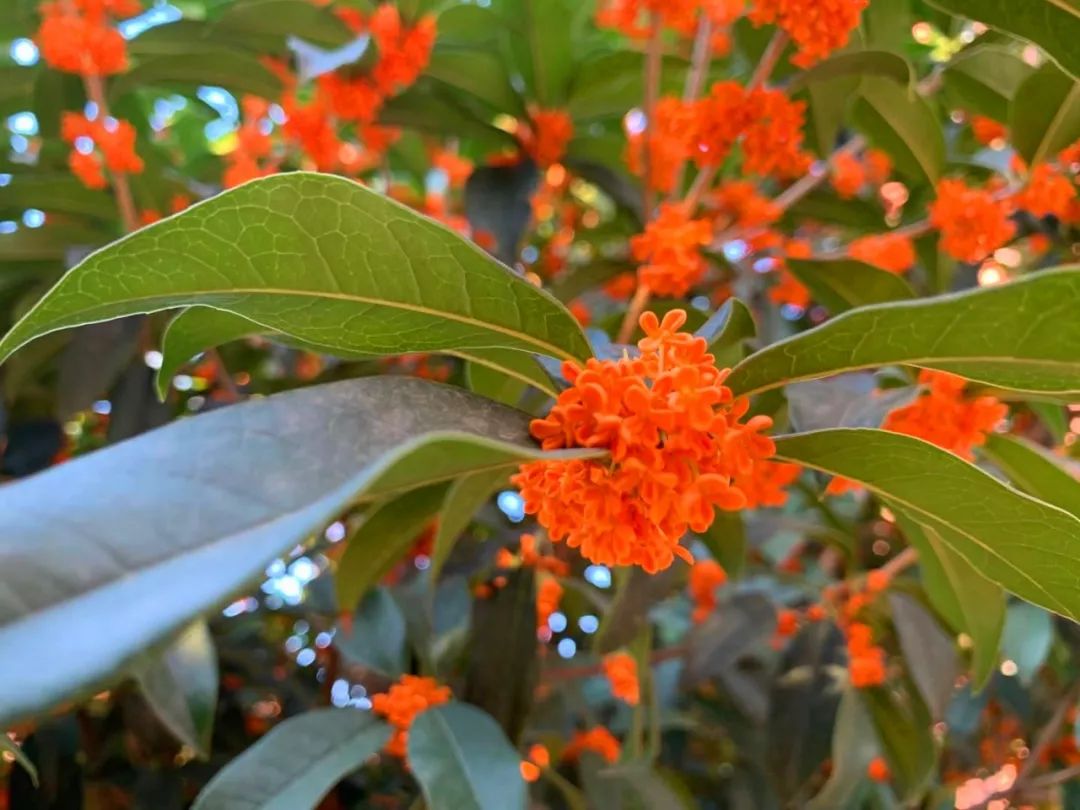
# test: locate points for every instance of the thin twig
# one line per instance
(637, 305)
(695, 83)
(902, 561)
(652, 92)
(768, 61)
(700, 185)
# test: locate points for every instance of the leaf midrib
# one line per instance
(459, 756)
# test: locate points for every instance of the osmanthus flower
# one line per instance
(632, 17)
(705, 577)
(788, 289)
(847, 174)
(530, 555)
(893, 252)
(739, 203)
(1048, 193)
(765, 484)
(403, 51)
(719, 119)
(670, 251)
(817, 27)
(76, 35)
(878, 770)
(537, 759)
(669, 143)
(772, 141)
(866, 660)
(310, 127)
(878, 166)
(675, 444)
(402, 702)
(546, 135)
(548, 595)
(973, 221)
(988, 132)
(99, 143)
(946, 416)
(622, 673)
(598, 740)
(249, 159)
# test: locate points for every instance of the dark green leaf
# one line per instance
(903, 727)
(1026, 641)
(58, 194)
(181, 685)
(1034, 470)
(637, 594)
(349, 269)
(727, 332)
(463, 761)
(1045, 114)
(387, 532)
(209, 65)
(854, 746)
(376, 635)
(297, 763)
(847, 400)
(292, 463)
(1018, 336)
(284, 18)
(726, 541)
(985, 80)
(899, 121)
(856, 63)
(478, 72)
(544, 32)
(843, 284)
(1054, 25)
(48, 242)
(929, 654)
(1024, 545)
(464, 497)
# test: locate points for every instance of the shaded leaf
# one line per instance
(1017, 336)
(1045, 114)
(847, 400)
(61, 194)
(726, 541)
(284, 18)
(929, 654)
(9, 746)
(727, 332)
(1026, 546)
(350, 270)
(842, 284)
(854, 746)
(464, 497)
(148, 562)
(900, 122)
(856, 63)
(637, 594)
(497, 202)
(463, 761)
(985, 79)
(478, 72)
(297, 763)
(376, 635)
(1027, 639)
(1034, 470)
(236, 71)
(180, 684)
(903, 727)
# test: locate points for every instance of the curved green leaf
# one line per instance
(480, 73)
(903, 727)
(899, 121)
(854, 746)
(1034, 470)
(1045, 114)
(1028, 547)
(48, 242)
(727, 330)
(195, 330)
(376, 635)
(236, 71)
(985, 79)
(842, 284)
(1021, 336)
(297, 763)
(181, 685)
(883, 64)
(264, 475)
(929, 652)
(284, 18)
(464, 497)
(320, 259)
(387, 532)
(1028, 637)
(463, 761)
(61, 194)
(1054, 25)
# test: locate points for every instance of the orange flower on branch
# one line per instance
(675, 440)
(893, 252)
(537, 759)
(866, 661)
(878, 770)
(848, 175)
(403, 52)
(765, 484)
(598, 740)
(546, 137)
(621, 671)
(988, 132)
(720, 118)
(772, 141)
(973, 223)
(739, 203)
(669, 143)
(76, 37)
(400, 705)
(817, 27)
(705, 577)
(548, 595)
(669, 249)
(788, 289)
(1049, 193)
(97, 143)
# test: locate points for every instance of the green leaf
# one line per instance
(843, 284)
(899, 121)
(60, 194)
(464, 497)
(637, 594)
(387, 532)
(1026, 546)
(1019, 336)
(985, 79)
(195, 330)
(205, 65)
(181, 685)
(507, 366)
(463, 761)
(903, 727)
(376, 635)
(847, 400)
(48, 242)
(545, 29)
(726, 541)
(477, 72)
(292, 463)
(297, 763)
(9, 746)
(1034, 470)
(929, 654)
(1045, 114)
(967, 600)
(285, 18)
(882, 64)
(1053, 25)
(727, 331)
(854, 746)
(320, 259)
(1028, 637)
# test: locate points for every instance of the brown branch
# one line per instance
(652, 92)
(769, 58)
(637, 305)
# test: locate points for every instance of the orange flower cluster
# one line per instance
(621, 671)
(972, 221)
(705, 577)
(546, 137)
(669, 249)
(669, 143)
(113, 146)
(739, 203)
(988, 132)
(253, 145)
(788, 289)
(894, 252)
(530, 556)
(945, 416)
(403, 702)
(403, 51)
(764, 484)
(631, 17)
(1049, 193)
(866, 661)
(548, 595)
(598, 740)
(851, 174)
(676, 444)
(878, 770)
(75, 35)
(537, 759)
(817, 27)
